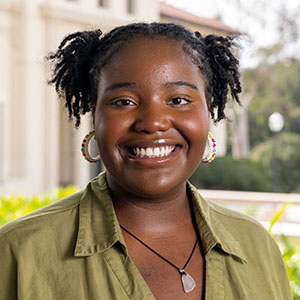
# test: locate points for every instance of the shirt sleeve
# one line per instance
(8, 270)
(279, 270)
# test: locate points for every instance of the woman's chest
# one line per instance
(164, 279)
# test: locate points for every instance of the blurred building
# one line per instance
(40, 148)
(206, 26)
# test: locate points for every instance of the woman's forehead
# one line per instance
(142, 52)
(151, 62)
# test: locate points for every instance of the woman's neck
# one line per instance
(160, 214)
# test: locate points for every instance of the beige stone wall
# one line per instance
(40, 148)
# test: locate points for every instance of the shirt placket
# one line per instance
(214, 276)
(128, 275)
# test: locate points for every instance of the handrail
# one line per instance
(251, 197)
(267, 204)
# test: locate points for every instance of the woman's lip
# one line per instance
(151, 144)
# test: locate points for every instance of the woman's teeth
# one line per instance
(153, 152)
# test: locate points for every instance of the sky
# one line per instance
(257, 18)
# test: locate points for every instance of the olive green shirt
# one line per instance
(74, 250)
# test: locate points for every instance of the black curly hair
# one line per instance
(82, 55)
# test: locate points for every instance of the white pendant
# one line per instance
(187, 281)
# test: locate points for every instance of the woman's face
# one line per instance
(151, 117)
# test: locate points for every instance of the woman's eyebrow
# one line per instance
(180, 83)
(120, 85)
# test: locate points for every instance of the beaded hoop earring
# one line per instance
(85, 148)
(212, 152)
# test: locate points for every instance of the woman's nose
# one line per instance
(152, 118)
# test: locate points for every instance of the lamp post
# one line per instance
(276, 123)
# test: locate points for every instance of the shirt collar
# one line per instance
(99, 228)
(212, 232)
(98, 224)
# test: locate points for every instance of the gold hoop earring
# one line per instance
(85, 148)
(212, 151)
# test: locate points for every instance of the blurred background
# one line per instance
(258, 165)
(40, 147)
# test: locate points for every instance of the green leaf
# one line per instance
(278, 214)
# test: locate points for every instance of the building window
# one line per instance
(131, 6)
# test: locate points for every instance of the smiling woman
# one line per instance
(140, 230)
(162, 104)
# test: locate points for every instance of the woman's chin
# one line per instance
(148, 185)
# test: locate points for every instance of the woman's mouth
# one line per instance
(152, 152)
(147, 154)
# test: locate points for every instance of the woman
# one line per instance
(140, 230)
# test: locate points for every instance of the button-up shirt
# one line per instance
(74, 249)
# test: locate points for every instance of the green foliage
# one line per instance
(293, 124)
(275, 87)
(277, 216)
(226, 173)
(291, 255)
(15, 206)
(288, 157)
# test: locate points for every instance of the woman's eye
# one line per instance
(122, 102)
(179, 101)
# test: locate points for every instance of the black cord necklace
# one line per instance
(187, 280)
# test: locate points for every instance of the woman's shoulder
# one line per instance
(228, 224)
(247, 230)
(251, 236)
(43, 219)
(240, 224)
(56, 220)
